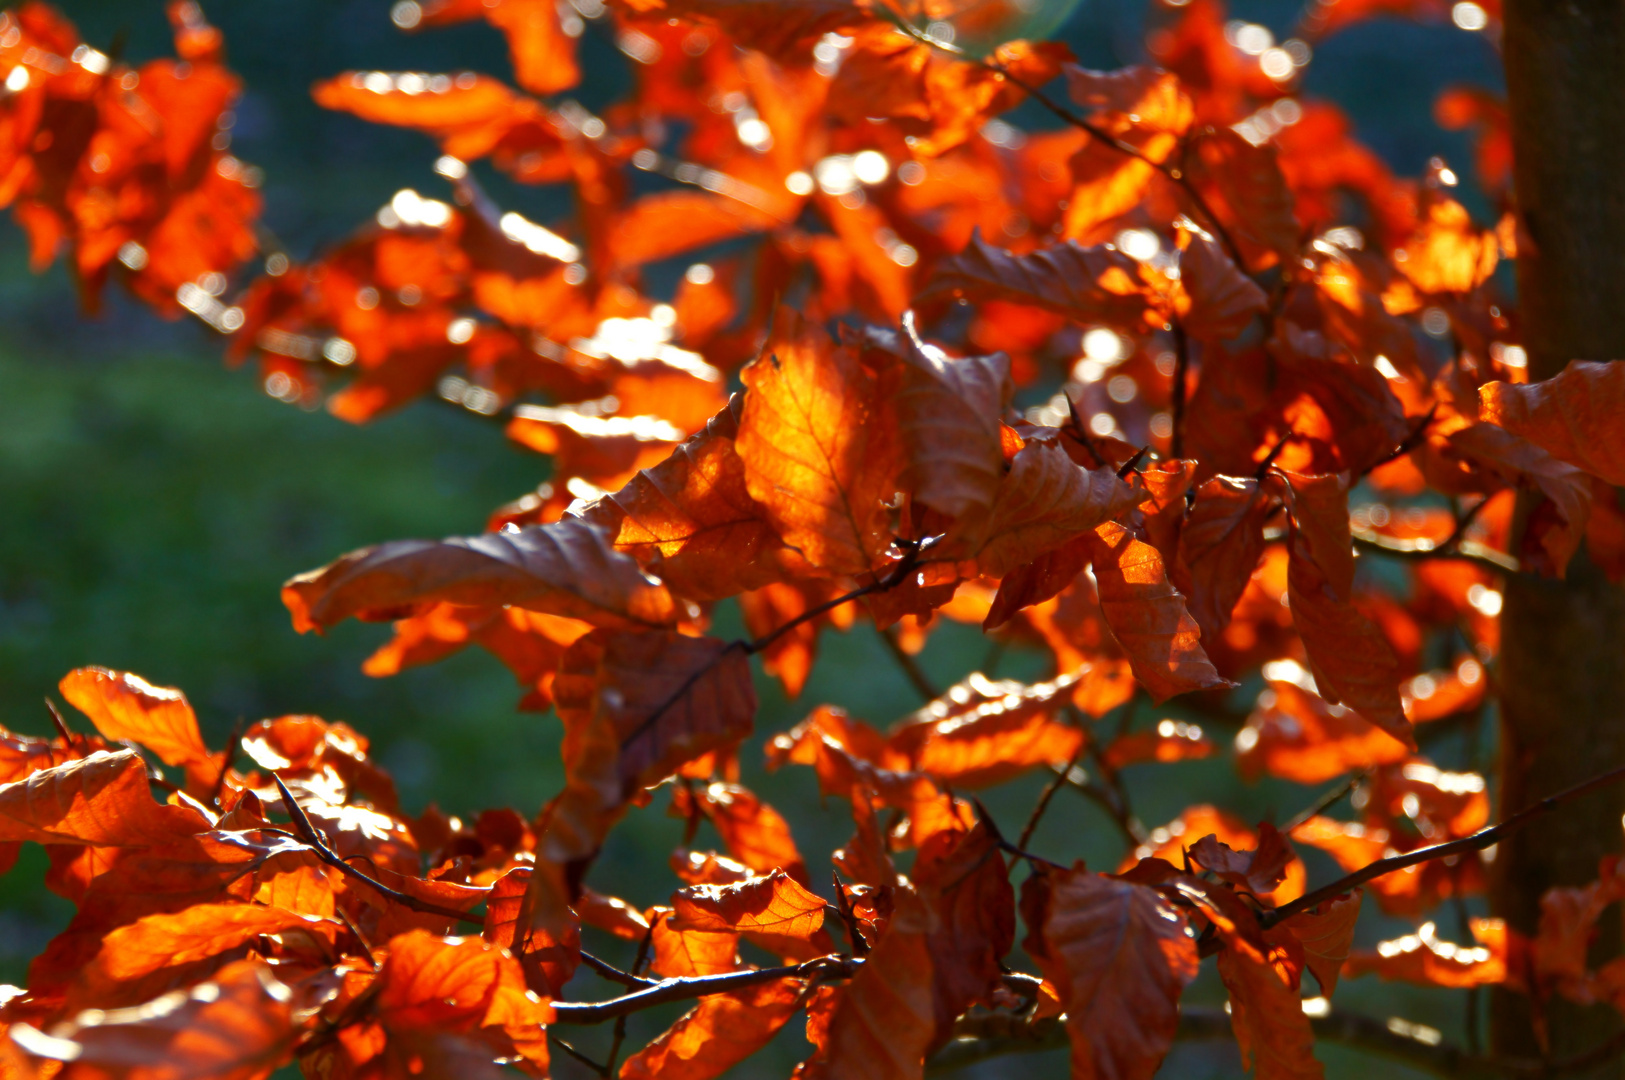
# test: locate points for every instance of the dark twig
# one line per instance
(305, 832)
(1275, 452)
(913, 552)
(910, 667)
(229, 758)
(1133, 463)
(360, 938)
(1479, 840)
(597, 1068)
(1022, 853)
(1046, 795)
(62, 727)
(1075, 428)
(1325, 802)
(688, 988)
(1464, 550)
(613, 973)
(1409, 442)
(1182, 360)
(849, 917)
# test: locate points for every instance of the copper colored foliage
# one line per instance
(1185, 392)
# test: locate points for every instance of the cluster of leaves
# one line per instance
(1251, 321)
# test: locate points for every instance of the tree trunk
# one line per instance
(1563, 642)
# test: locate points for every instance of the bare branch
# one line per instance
(688, 988)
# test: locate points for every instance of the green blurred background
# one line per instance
(152, 501)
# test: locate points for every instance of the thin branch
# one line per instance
(1479, 840)
(688, 988)
(1409, 442)
(62, 727)
(615, 974)
(1465, 550)
(596, 1067)
(1325, 802)
(1046, 795)
(913, 551)
(305, 832)
(1182, 360)
(910, 667)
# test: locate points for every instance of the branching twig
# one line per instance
(613, 973)
(1464, 550)
(1325, 802)
(305, 832)
(1479, 840)
(1046, 795)
(910, 667)
(688, 988)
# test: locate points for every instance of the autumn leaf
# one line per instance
(755, 833)
(1573, 416)
(948, 414)
(1446, 253)
(1260, 871)
(964, 882)
(1326, 932)
(1426, 959)
(1096, 284)
(1220, 544)
(773, 912)
(126, 706)
(131, 954)
(1147, 616)
(567, 568)
(237, 1026)
(1222, 300)
(1036, 581)
(469, 115)
(884, 1022)
(1046, 500)
(1119, 958)
(690, 953)
(543, 54)
(1246, 181)
(717, 1034)
(816, 457)
(1296, 735)
(693, 519)
(1266, 1009)
(101, 800)
(982, 732)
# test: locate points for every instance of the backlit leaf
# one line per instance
(102, 800)
(126, 706)
(1572, 416)
(1046, 500)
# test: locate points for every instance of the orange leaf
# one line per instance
(1046, 500)
(1252, 196)
(101, 800)
(717, 1034)
(755, 833)
(686, 953)
(1222, 299)
(1573, 416)
(151, 945)
(1425, 959)
(543, 55)
(1446, 253)
(1147, 616)
(773, 912)
(693, 519)
(1119, 958)
(125, 706)
(884, 1022)
(1097, 284)
(238, 1026)
(948, 412)
(1261, 871)
(1326, 932)
(567, 568)
(964, 882)
(635, 708)
(983, 732)
(1295, 735)
(1266, 1010)
(1351, 660)
(817, 457)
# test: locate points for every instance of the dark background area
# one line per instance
(152, 501)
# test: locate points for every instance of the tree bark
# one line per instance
(1563, 642)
